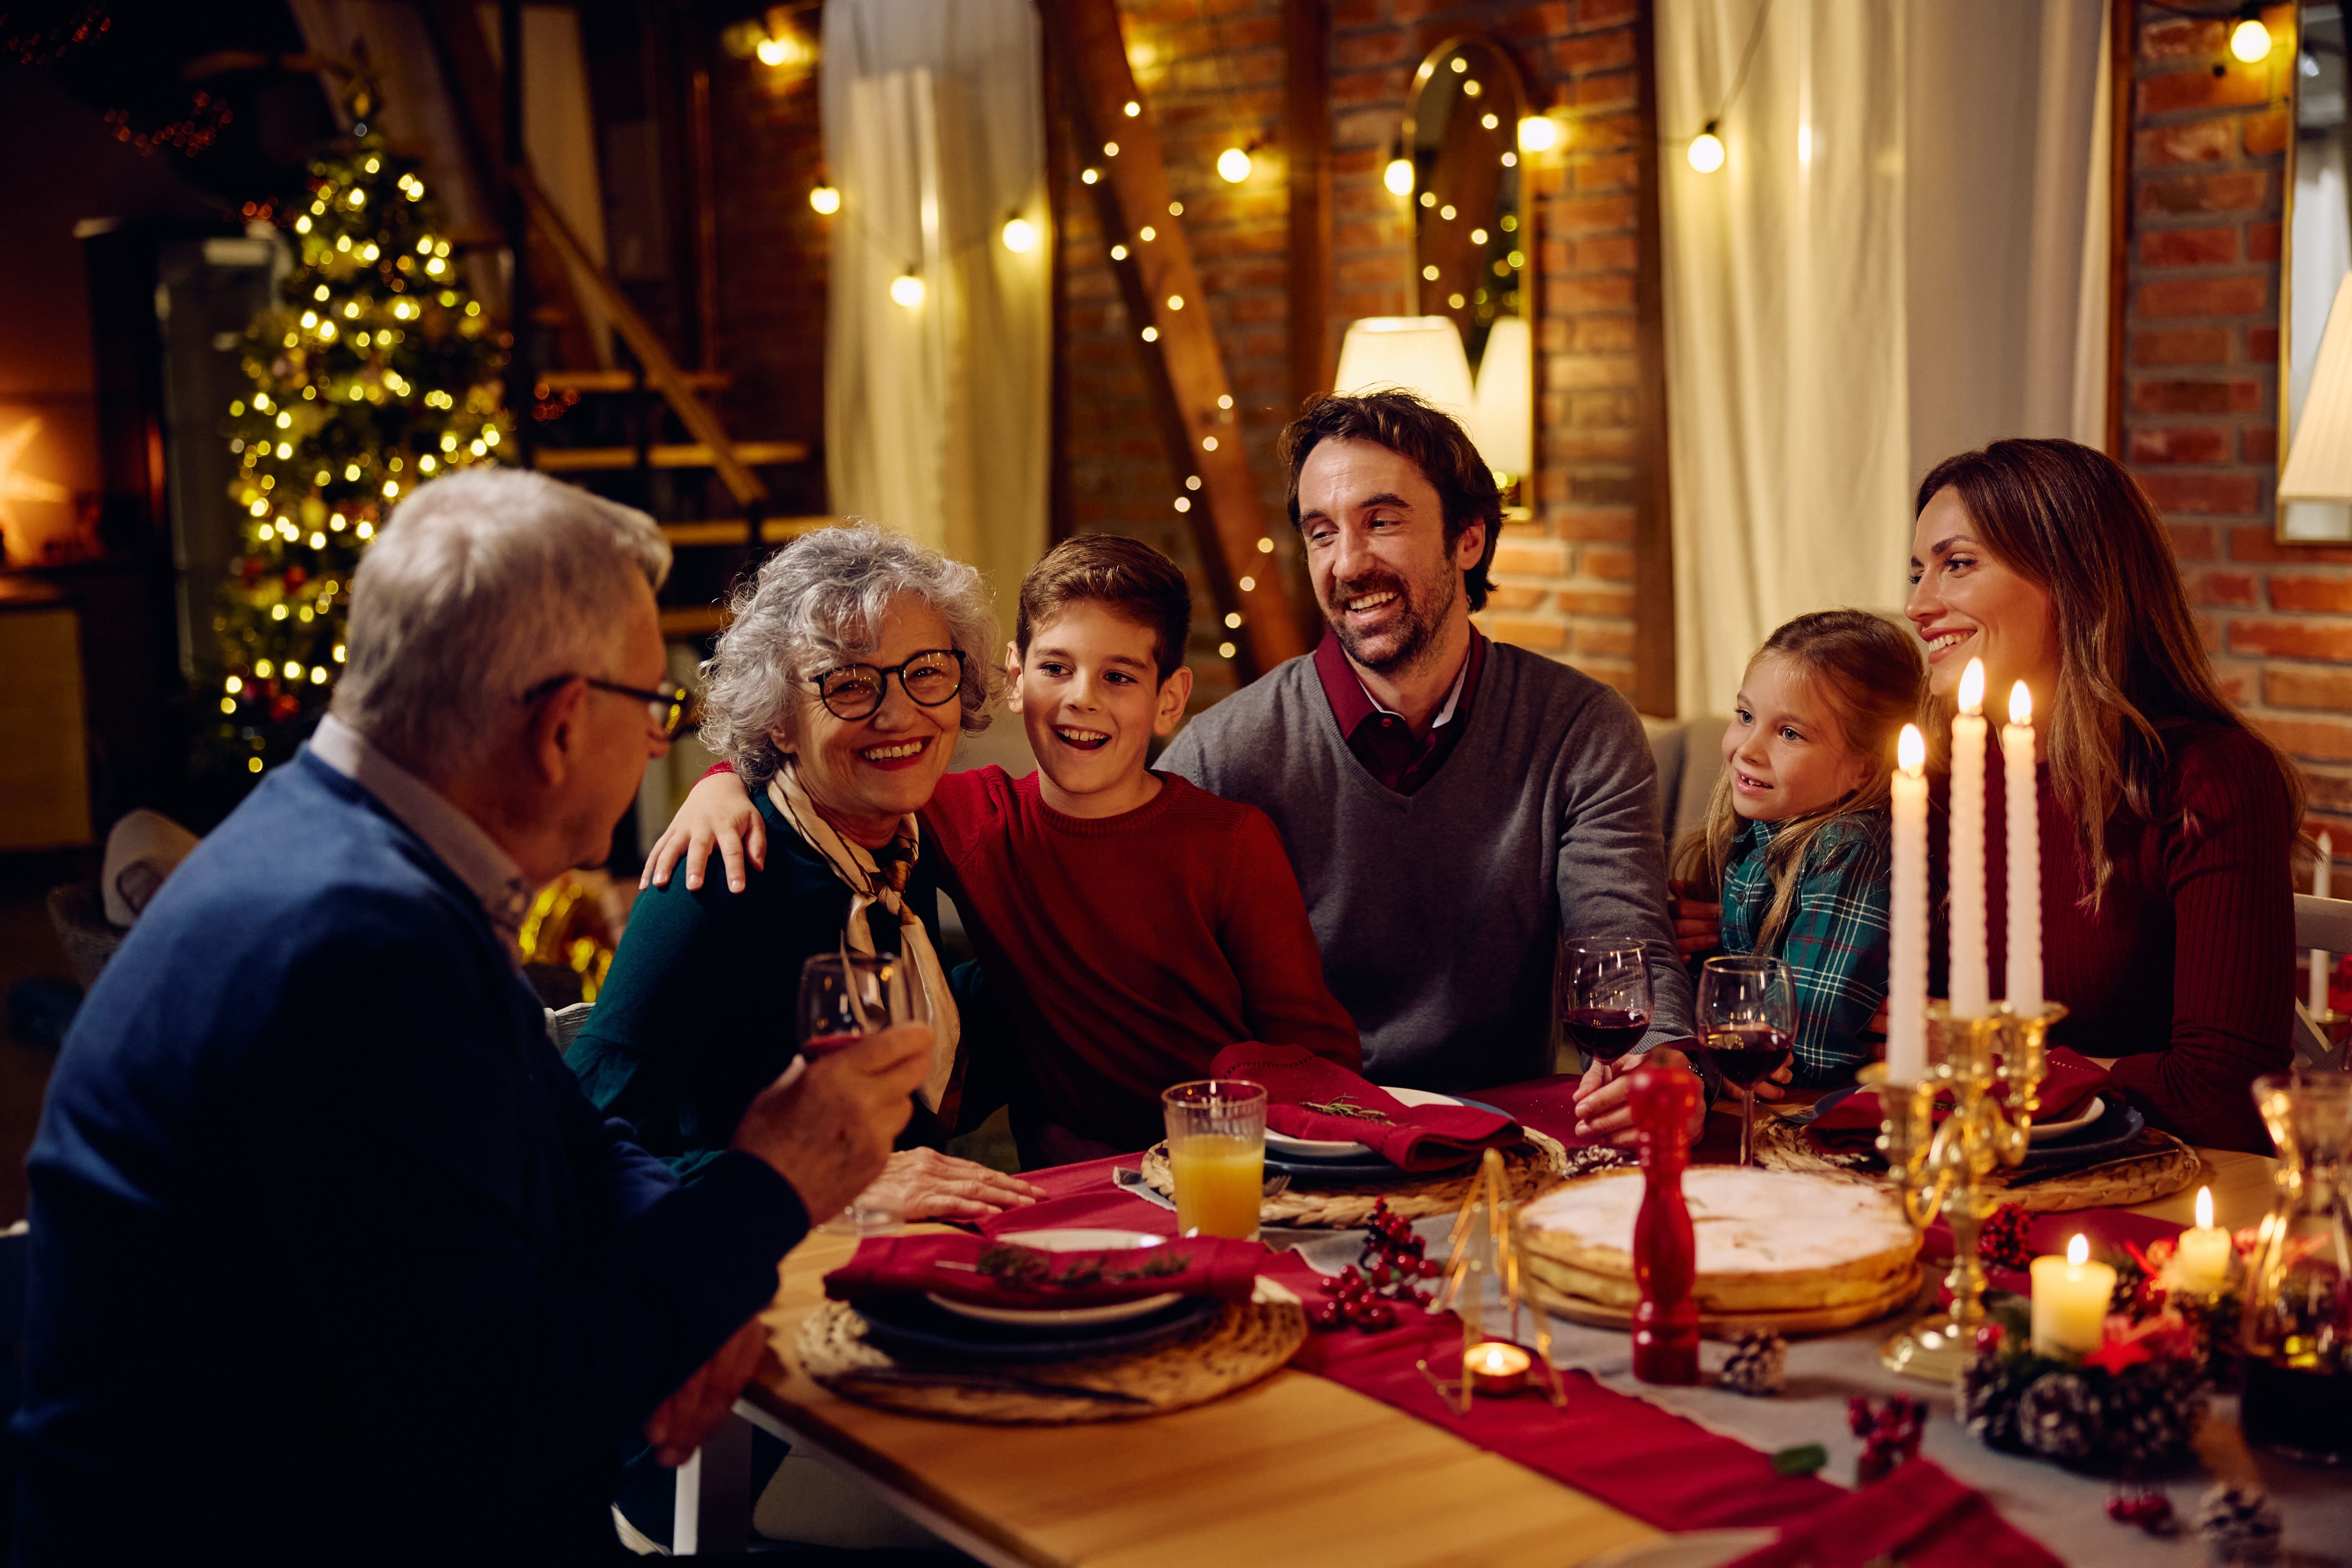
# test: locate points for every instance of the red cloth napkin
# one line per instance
(1919, 1516)
(1410, 1137)
(912, 1265)
(2068, 1082)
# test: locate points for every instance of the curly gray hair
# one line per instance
(818, 602)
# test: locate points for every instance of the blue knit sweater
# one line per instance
(329, 1253)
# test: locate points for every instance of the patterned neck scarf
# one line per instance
(872, 880)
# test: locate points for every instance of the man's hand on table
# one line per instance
(716, 813)
(1603, 1105)
(680, 1422)
(827, 1128)
(923, 1183)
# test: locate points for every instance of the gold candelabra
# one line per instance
(1988, 1072)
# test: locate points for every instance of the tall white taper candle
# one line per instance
(1972, 981)
(1906, 975)
(2321, 876)
(2024, 879)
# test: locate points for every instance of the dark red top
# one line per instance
(2186, 970)
(1136, 947)
(1382, 741)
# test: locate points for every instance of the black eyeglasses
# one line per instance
(669, 706)
(929, 679)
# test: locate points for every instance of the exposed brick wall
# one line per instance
(1213, 74)
(2200, 415)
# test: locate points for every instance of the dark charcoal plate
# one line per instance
(911, 1323)
(1358, 1169)
(2118, 1126)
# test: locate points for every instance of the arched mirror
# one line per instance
(1473, 248)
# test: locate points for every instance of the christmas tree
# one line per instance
(372, 372)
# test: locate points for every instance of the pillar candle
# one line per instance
(2320, 878)
(2023, 988)
(1971, 983)
(2202, 1264)
(1907, 988)
(2070, 1302)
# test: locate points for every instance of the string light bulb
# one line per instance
(906, 290)
(1020, 236)
(1706, 151)
(1398, 175)
(1539, 133)
(2249, 40)
(1233, 164)
(825, 200)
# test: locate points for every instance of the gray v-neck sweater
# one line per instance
(1440, 913)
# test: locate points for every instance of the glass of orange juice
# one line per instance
(1216, 1151)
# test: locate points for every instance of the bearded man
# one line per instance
(1453, 806)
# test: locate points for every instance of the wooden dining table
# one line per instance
(1295, 1468)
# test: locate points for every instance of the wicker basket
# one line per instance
(82, 926)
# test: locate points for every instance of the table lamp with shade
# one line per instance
(1421, 354)
(1502, 412)
(2319, 455)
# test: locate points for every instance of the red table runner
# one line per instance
(1645, 1460)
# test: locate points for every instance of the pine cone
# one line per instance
(2240, 1525)
(2151, 1412)
(1759, 1366)
(2059, 1416)
(1989, 1387)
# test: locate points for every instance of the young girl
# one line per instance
(1795, 845)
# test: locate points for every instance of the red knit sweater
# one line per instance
(1134, 948)
(2186, 970)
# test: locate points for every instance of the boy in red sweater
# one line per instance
(1132, 924)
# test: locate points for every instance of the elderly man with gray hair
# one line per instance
(327, 1246)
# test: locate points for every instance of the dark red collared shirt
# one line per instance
(1382, 741)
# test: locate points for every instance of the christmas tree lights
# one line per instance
(374, 371)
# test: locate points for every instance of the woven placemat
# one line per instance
(2153, 1165)
(1534, 1164)
(1242, 1343)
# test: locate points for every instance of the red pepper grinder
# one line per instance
(1665, 1255)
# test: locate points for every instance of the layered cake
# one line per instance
(1769, 1241)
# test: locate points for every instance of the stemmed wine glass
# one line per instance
(844, 996)
(1605, 996)
(1747, 1018)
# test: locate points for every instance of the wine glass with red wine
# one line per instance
(846, 996)
(1746, 1021)
(1605, 996)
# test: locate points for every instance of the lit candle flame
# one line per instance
(1911, 750)
(2020, 705)
(2078, 1252)
(1972, 688)
(2204, 1208)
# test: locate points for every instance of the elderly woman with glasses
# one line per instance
(838, 690)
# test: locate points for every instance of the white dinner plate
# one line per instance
(1077, 1240)
(2043, 1131)
(1291, 1148)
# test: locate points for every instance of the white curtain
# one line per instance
(1904, 255)
(937, 413)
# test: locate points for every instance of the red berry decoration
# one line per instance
(1988, 1338)
(1324, 1316)
(1383, 1279)
(2001, 1243)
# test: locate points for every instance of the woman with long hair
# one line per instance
(2169, 823)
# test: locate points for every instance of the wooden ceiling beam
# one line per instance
(1164, 292)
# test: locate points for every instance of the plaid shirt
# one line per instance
(1835, 938)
